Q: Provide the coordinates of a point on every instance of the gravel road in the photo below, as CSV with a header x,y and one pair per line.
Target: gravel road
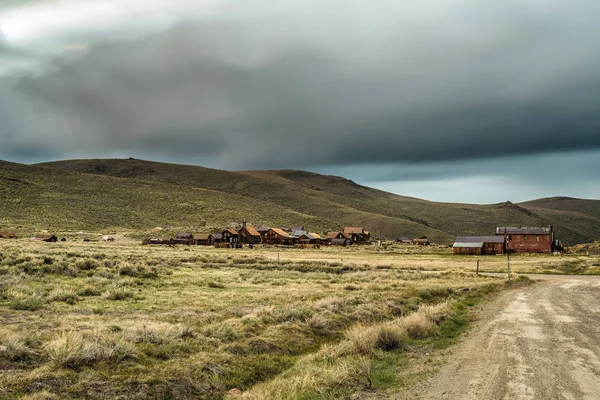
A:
x,y
537,342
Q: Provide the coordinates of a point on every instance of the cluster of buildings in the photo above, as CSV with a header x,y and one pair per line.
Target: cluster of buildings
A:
x,y
250,235
509,240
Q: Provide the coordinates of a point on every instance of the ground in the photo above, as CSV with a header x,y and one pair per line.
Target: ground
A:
x,y
121,320
537,342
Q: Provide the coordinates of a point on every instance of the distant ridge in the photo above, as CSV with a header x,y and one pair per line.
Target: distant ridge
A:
x,y
137,194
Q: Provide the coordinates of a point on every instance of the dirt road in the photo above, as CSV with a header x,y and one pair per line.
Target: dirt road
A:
x,y
538,342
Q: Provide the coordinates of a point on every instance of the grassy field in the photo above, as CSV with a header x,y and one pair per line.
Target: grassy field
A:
x,y
121,320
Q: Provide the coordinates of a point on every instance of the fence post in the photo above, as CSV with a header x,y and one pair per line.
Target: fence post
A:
x,y
477,267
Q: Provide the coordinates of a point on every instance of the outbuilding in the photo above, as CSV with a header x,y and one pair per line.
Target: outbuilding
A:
x,y
492,245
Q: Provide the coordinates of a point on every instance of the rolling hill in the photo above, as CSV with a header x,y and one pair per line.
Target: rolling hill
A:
x,y
138,195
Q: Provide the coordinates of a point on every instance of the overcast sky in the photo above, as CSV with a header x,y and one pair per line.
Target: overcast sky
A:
x,y
448,100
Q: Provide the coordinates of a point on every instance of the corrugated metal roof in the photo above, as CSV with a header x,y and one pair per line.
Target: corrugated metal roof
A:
x,y
477,239
503,230
473,245
315,235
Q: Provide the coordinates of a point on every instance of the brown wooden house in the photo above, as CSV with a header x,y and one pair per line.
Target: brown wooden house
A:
x,y
277,236
358,234
230,236
423,241
335,235
479,245
204,239
527,239
310,238
341,242
249,235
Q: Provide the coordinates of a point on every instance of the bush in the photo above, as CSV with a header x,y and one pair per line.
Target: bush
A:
x,y
118,293
25,302
418,326
390,337
16,349
68,296
215,285
362,338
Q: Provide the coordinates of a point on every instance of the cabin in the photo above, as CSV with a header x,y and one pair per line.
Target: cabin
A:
x,y
249,235
204,239
46,237
217,237
230,236
341,242
403,240
277,236
423,241
309,238
183,238
527,239
358,234
335,235
479,245
468,248
8,235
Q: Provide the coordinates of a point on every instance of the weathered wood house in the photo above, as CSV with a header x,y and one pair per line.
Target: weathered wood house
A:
x,y
230,236
403,240
358,234
423,241
527,239
277,236
310,238
335,235
262,230
479,245
204,239
340,242
249,235
185,238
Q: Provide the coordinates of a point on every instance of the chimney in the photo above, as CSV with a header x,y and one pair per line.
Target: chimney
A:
x,y
243,223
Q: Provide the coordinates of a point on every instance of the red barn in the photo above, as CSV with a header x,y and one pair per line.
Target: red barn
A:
x,y
527,239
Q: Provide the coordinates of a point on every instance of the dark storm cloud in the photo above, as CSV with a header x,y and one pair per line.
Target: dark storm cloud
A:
x,y
336,83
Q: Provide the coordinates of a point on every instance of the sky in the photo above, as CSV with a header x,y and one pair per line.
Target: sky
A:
x,y
447,100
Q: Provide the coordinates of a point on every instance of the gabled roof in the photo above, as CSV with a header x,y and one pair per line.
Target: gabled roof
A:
x,y
472,245
251,230
263,228
352,229
332,235
183,235
502,230
202,236
477,239
315,235
217,236
299,233
231,231
403,239
310,236
281,232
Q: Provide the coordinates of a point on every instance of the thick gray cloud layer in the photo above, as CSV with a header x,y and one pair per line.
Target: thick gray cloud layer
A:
x,y
312,84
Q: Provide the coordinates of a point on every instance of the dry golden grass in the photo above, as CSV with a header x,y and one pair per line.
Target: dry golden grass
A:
x,y
101,320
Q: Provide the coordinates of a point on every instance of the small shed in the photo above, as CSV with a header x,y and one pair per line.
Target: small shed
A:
x,y
492,245
403,240
203,239
474,248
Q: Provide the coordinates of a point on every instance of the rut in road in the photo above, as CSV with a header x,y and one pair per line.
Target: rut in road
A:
x,y
538,342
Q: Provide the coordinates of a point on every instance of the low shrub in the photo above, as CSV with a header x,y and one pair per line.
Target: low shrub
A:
x,y
418,326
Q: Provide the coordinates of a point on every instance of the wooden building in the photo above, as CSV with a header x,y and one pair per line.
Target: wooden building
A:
x,y
310,238
230,236
277,236
403,240
527,239
490,245
468,248
249,235
335,235
358,234
423,241
204,239
341,242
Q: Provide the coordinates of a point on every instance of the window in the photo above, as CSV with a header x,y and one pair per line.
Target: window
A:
x,y
525,237
538,238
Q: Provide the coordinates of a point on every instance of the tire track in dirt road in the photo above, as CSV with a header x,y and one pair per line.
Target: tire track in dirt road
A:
x,y
537,342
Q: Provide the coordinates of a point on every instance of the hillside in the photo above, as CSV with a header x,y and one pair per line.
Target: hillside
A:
x,y
191,194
